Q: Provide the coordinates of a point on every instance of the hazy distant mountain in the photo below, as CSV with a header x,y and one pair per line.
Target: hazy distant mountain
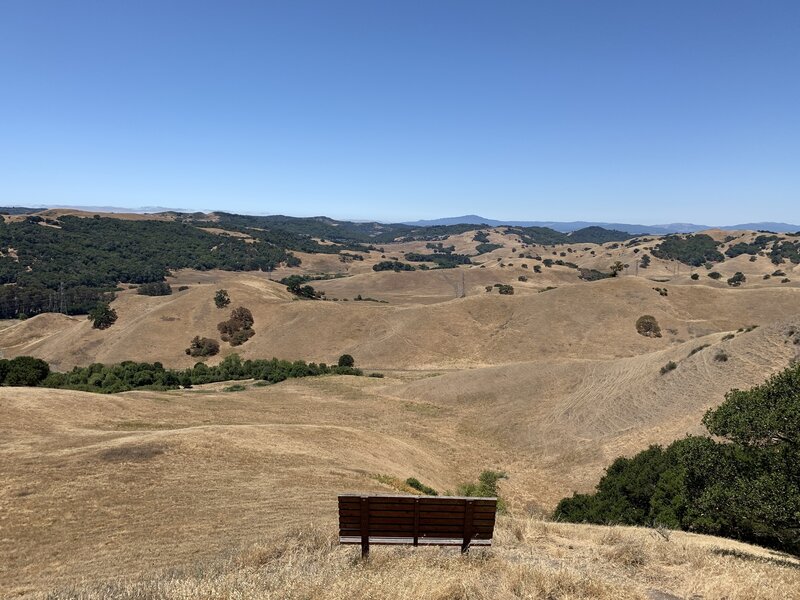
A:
x,y
22,210
766,225
568,226
565,226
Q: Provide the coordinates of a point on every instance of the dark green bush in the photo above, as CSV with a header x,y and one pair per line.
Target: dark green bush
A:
x,y
102,316
392,265
737,279
155,288
24,371
670,366
202,347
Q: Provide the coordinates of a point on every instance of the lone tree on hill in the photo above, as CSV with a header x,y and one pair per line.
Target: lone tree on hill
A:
x,y
346,360
102,316
221,298
616,268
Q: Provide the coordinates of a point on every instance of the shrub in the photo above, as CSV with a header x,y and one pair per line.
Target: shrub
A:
x,y
156,288
221,299
670,366
721,356
102,316
506,290
592,275
419,486
715,275
202,347
737,279
486,487
537,268
346,360
522,278
647,326
237,387
698,349
183,288
695,276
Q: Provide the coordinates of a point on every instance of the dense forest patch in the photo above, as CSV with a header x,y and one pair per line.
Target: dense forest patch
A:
x,y
692,250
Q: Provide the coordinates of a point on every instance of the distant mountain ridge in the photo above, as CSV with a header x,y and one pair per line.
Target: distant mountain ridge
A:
x,y
636,229
560,226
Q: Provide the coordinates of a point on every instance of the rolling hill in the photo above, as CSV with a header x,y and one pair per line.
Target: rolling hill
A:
x,y
549,385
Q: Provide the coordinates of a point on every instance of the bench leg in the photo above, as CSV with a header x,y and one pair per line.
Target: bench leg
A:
x,y
364,547
465,546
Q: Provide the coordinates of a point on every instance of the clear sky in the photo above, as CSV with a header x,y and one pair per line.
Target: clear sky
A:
x,y
636,111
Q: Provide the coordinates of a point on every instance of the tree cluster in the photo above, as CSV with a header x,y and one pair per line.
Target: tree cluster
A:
x,y
155,288
239,328
129,375
692,250
746,486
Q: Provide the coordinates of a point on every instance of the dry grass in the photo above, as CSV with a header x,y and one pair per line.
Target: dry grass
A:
x,y
530,559
546,387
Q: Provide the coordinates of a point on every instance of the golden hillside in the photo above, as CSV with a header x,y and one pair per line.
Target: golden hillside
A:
x,y
547,385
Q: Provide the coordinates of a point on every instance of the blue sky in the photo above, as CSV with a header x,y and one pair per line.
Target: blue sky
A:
x,y
631,111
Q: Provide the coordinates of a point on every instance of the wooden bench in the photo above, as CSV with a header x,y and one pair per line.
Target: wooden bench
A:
x,y
416,520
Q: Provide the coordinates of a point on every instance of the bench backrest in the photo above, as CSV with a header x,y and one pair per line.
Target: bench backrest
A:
x,y
417,520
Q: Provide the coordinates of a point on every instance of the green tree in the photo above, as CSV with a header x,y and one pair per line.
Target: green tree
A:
x,y
26,371
346,360
102,316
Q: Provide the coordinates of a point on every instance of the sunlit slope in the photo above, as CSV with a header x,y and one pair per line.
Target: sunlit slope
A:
x,y
573,416
581,320
103,486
